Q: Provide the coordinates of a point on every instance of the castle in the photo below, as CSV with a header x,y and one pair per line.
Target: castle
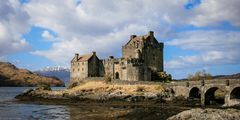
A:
x,y
142,60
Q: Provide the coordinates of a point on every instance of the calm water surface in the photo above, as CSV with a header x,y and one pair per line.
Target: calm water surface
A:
x,y
11,109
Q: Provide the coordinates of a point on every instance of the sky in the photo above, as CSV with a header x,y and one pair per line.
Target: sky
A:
x,y
197,34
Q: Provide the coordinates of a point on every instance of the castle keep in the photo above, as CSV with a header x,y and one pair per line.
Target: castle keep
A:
x,y
142,60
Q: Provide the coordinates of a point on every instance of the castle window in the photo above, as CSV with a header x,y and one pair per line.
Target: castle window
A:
x,y
78,64
73,70
82,63
82,69
153,56
78,69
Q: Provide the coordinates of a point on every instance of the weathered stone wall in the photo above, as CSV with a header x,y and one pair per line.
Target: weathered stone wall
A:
x,y
142,56
127,70
148,49
153,57
79,70
94,67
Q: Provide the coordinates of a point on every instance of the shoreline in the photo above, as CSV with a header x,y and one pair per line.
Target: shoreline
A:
x,y
134,103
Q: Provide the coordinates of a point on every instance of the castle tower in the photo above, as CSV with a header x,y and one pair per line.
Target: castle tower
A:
x,y
147,48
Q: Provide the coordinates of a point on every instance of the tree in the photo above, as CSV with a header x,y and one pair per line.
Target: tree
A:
x,y
200,75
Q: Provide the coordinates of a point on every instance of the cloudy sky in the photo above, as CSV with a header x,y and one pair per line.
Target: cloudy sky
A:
x,y
198,34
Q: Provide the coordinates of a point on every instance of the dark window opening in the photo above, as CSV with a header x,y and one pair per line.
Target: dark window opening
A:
x,y
116,75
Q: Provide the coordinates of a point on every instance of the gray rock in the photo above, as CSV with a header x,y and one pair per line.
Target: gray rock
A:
x,y
207,114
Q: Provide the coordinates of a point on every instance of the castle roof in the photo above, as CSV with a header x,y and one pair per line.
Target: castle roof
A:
x,y
135,38
85,57
82,58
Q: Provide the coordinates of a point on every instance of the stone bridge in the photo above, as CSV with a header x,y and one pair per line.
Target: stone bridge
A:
x,y
221,91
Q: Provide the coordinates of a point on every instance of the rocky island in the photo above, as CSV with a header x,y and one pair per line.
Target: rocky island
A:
x,y
10,75
138,78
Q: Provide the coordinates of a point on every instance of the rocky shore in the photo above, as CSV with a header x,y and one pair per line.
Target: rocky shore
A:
x,y
101,91
207,114
153,99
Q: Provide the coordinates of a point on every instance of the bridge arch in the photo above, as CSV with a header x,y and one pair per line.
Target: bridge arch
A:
x,y
194,93
214,95
235,93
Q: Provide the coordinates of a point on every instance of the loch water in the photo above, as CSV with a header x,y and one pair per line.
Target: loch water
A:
x,y
12,109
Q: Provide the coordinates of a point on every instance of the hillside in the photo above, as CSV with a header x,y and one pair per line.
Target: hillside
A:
x,y
61,73
233,76
10,75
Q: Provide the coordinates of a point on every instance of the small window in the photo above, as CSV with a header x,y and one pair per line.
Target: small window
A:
x,y
82,69
73,70
82,63
78,64
78,69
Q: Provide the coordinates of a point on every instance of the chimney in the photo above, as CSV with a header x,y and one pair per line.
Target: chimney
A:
x,y
111,57
76,55
94,53
151,33
132,36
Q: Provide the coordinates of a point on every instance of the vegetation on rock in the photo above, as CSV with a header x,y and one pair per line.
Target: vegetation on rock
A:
x,y
199,75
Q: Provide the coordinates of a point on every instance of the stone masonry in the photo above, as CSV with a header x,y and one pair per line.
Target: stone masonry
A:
x,y
142,60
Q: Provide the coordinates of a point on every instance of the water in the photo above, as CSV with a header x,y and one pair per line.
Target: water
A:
x,y
11,109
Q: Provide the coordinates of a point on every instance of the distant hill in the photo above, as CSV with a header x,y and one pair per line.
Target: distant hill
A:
x,y
59,72
10,75
233,76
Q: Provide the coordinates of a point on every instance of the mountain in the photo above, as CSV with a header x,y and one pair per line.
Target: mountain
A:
x,y
10,75
62,73
233,76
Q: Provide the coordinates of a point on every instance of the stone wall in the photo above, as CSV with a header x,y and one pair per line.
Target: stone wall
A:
x,y
79,70
153,57
94,67
142,57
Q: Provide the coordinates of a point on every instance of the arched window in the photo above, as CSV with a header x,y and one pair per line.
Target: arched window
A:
x,y
116,75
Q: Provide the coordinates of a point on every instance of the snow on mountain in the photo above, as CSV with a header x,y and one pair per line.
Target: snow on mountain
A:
x,y
60,72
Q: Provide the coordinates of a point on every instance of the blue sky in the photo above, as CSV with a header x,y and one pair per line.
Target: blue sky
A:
x,y
198,34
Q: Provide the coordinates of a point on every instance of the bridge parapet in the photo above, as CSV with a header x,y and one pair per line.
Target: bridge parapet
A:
x,y
183,88
213,81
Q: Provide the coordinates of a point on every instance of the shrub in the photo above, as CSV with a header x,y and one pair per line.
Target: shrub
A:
x,y
73,85
200,75
108,78
140,89
43,87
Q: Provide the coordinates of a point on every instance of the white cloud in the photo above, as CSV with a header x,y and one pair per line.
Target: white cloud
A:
x,y
13,24
211,12
105,45
101,26
105,25
214,48
47,35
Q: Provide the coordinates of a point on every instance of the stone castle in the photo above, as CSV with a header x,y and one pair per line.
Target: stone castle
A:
x,y
142,60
